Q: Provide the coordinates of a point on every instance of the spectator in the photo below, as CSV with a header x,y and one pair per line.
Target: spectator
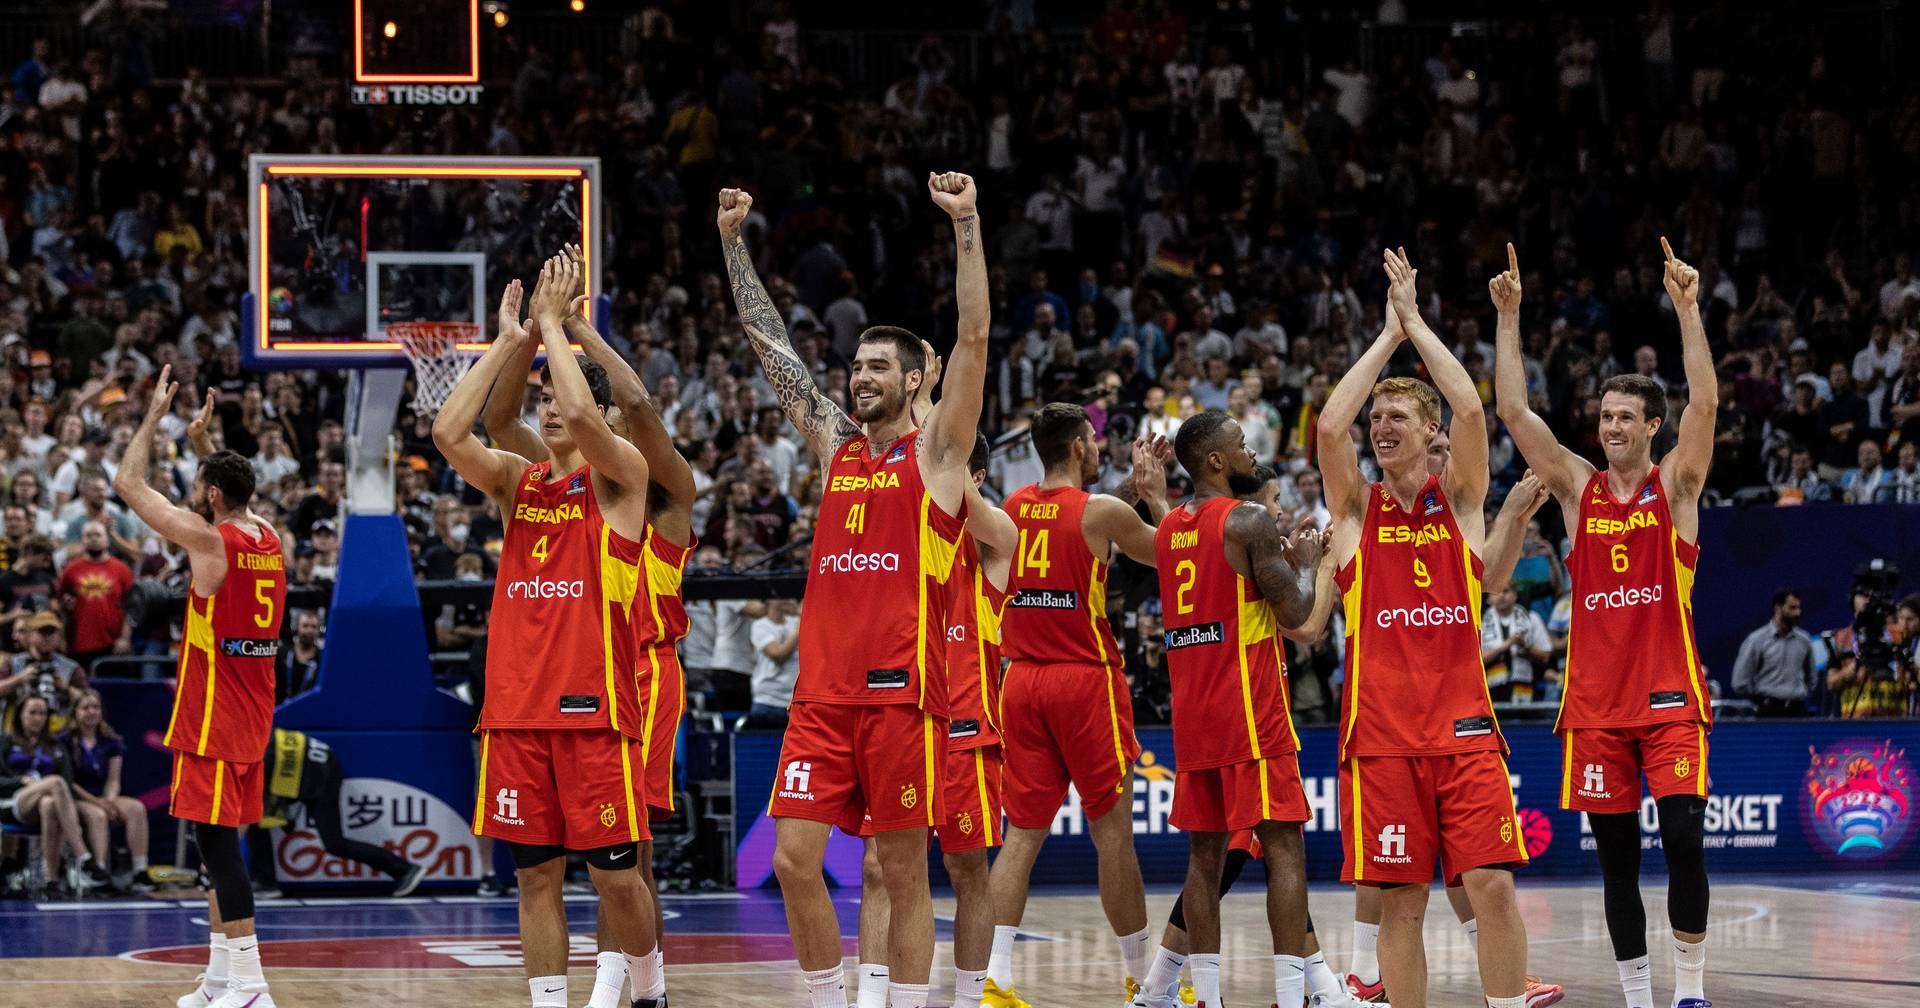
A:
x,y
776,645
1800,484
94,505
92,589
41,670
36,789
1869,482
298,669
1870,681
323,502
326,550
1904,482
1515,647
96,754
1775,663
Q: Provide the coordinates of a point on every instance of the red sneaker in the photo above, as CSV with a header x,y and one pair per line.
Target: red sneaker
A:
x,y
1540,995
1368,992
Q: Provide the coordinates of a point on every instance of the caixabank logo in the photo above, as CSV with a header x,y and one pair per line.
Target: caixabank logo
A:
x,y
1856,802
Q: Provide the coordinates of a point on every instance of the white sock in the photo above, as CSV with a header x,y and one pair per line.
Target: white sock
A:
x,y
648,974
1289,980
609,980
1320,978
968,985
139,863
1472,928
873,985
218,960
1689,970
1517,1001
1163,977
1000,962
1206,978
1133,951
826,988
548,991
1636,981
1366,958
907,995
243,968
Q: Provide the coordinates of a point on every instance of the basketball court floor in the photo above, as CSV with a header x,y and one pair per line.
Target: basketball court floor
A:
x,y
1823,940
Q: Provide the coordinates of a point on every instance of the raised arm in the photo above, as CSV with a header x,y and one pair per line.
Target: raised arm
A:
x,y
1510,530
1115,521
501,412
1325,597
1685,468
198,437
1563,472
1285,567
822,423
1147,483
610,455
205,551
490,470
994,534
1340,477
1468,432
950,430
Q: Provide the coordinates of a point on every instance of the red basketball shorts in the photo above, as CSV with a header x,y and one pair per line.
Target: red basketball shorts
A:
x,y
664,701
579,788
1236,796
1245,842
845,763
1602,766
1398,813
1061,725
973,791
216,792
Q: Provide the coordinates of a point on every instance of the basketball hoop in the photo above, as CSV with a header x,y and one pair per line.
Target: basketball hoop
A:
x,y
438,361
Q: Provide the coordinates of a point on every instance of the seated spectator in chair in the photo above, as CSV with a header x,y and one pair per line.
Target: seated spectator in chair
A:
x,y
96,753
1515,647
300,769
41,670
1903,481
1801,484
36,791
776,644
92,588
1869,481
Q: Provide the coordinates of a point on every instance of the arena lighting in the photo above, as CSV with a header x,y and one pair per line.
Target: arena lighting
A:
x,y
403,171
497,8
390,29
577,5
499,19
360,76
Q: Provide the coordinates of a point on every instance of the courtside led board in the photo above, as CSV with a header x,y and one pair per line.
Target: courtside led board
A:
x,y
342,247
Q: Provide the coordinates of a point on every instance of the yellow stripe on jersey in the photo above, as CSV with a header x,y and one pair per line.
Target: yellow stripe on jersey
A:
x,y
1256,625
1359,834
1700,767
663,581
986,801
626,788
1475,598
1350,604
1097,610
619,579
1566,680
480,788
203,638
932,777
219,785
1266,794
937,555
1519,832
986,630
1566,770
1113,720
1683,595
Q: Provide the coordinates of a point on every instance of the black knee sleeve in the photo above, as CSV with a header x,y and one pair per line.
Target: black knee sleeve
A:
x,y
1683,821
611,858
1616,838
527,856
226,870
1230,870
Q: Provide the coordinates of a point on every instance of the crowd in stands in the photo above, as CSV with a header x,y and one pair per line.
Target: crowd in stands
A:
x,y
1178,219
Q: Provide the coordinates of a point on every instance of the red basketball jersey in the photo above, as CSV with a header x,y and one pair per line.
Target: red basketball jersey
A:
x,y
1415,682
1631,657
223,704
560,641
1057,606
660,616
873,620
973,652
1224,656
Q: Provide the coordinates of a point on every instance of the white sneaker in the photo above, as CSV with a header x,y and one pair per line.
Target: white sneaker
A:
x,y
1344,999
204,994
252,996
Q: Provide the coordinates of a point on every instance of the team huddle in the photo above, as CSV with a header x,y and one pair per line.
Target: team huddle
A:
x,y
984,679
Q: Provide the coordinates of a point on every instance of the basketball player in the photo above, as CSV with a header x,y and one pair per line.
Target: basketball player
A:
x,y
1634,703
223,706
1429,780
1066,713
866,733
1229,580
659,614
561,722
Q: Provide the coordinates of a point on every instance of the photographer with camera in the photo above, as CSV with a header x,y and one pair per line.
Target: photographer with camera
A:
x,y
1874,671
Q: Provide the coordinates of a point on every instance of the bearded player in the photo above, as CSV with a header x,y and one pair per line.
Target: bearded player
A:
x,y
223,705
560,765
659,616
1228,581
1633,704
1429,780
1066,711
866,735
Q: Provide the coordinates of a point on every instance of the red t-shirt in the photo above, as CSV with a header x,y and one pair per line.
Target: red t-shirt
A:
x,y
96,588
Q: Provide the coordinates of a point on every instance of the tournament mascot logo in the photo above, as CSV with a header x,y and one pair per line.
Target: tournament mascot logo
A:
x,y
1856,798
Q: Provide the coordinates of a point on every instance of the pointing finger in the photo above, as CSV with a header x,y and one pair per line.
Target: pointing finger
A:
x,y
1666,248
1513,261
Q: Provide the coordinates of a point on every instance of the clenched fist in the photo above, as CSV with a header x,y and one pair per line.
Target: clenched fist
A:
x,y
952,192
734,204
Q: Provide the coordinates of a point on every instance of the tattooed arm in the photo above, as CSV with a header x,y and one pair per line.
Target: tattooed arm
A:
x,y
822,423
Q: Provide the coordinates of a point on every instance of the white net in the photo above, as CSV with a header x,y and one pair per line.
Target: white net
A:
x,y
438,361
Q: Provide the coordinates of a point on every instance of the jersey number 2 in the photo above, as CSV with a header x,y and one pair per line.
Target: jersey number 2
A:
x,y
263,592
1033,555
1186,572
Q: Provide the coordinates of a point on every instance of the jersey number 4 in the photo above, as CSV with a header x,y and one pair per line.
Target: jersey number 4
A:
x,y
1033,554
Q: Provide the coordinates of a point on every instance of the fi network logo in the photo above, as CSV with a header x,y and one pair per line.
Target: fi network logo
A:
x,y
1393,843
506,806
797,781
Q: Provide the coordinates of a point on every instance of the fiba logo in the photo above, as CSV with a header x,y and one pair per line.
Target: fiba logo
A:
x,y
1393,845
799,778
506,803
1857,799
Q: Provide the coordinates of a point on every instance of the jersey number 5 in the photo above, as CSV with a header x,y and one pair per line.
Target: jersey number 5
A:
x,y
1186,572
1618,554
1033,555
263,593
1421,579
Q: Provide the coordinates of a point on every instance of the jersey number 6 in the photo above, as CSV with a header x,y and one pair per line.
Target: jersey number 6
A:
x,y
1618,554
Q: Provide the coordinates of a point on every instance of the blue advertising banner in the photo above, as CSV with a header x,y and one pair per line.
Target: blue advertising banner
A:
x,y
1785,796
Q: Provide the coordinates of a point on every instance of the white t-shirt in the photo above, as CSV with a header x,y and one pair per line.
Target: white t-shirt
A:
x,y
1496,629
773,681
1014,465
1100,183
732,645
1052,214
